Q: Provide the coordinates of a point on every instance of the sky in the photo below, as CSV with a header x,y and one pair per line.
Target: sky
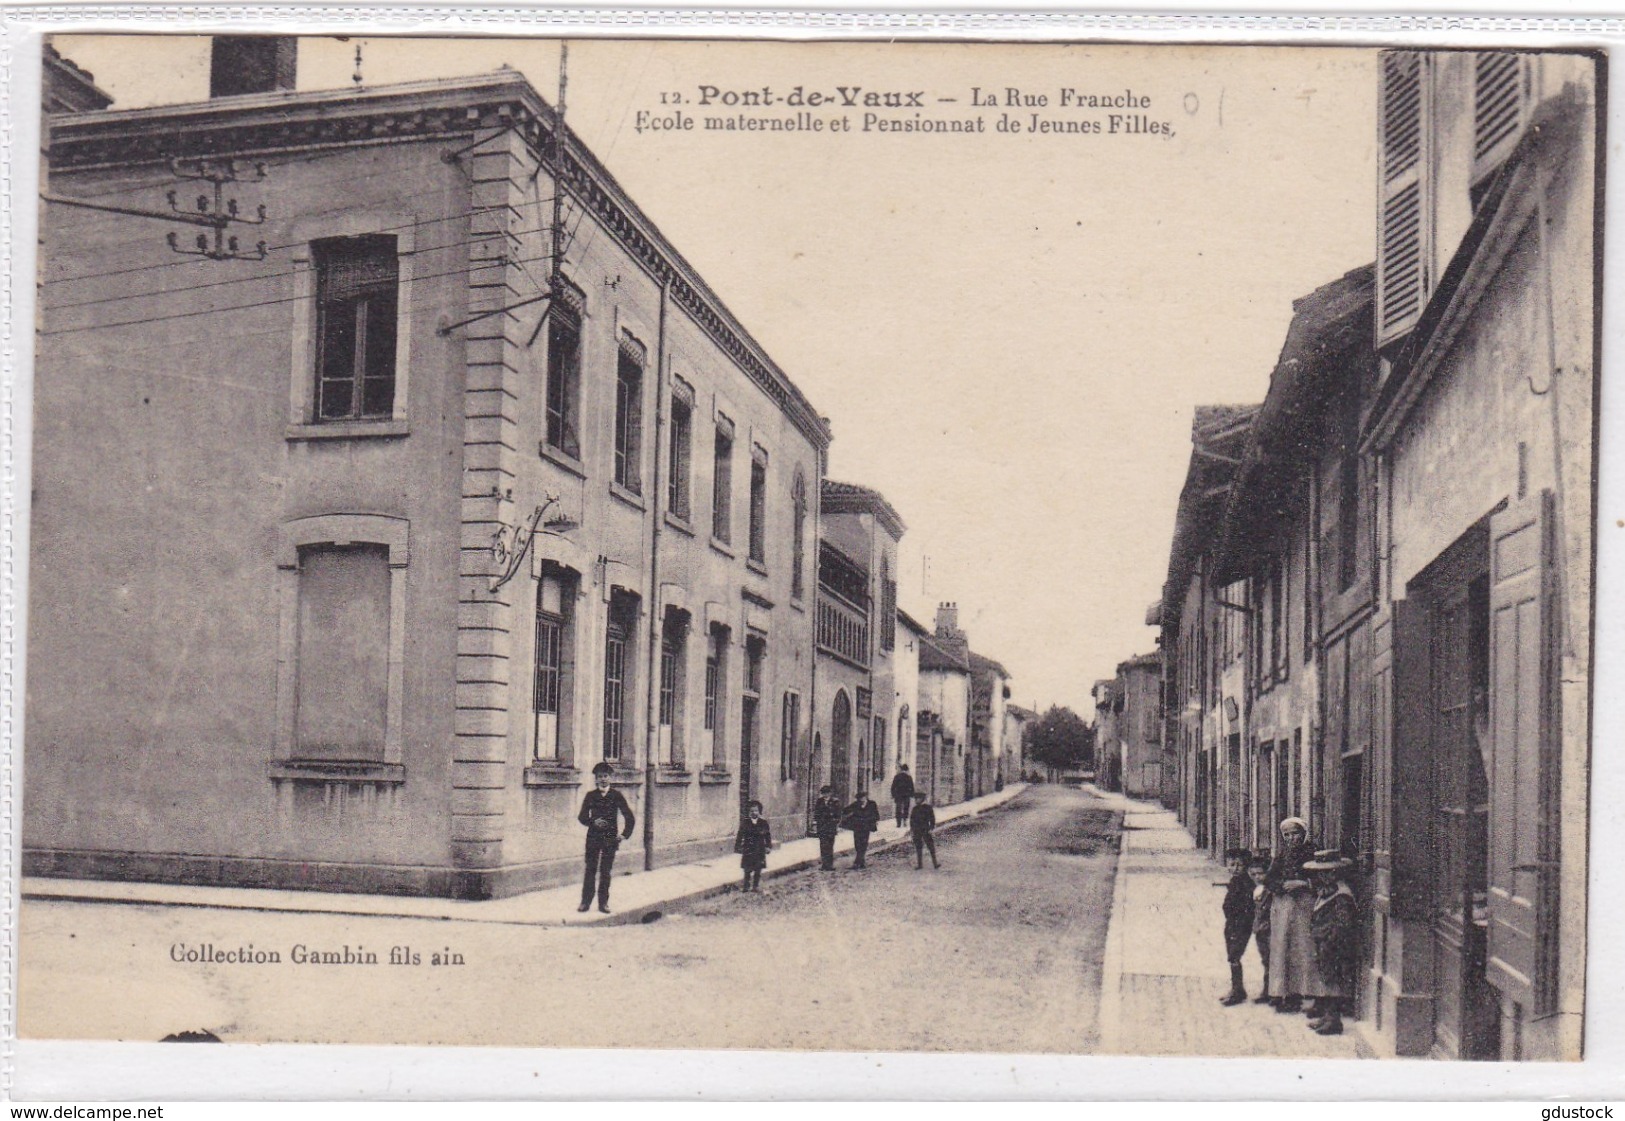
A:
x,y
1007,330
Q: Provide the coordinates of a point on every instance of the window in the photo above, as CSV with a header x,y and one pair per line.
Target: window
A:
x,y
343,652
789,730
758,506
722,483
888,606
564,383
798,546
357,282
749,704
673,673
682,438
618,676
629,420
716,664
551,690
880,749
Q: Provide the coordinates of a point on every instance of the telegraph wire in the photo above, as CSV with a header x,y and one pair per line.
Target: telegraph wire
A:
x,y
493,263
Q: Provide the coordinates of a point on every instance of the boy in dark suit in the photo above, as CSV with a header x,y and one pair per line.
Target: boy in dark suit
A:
x,y
902,792
1238,921
826,824
600,813
753,843
921,821
863,818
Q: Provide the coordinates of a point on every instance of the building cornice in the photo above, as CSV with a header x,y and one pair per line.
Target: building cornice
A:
x,y
268,124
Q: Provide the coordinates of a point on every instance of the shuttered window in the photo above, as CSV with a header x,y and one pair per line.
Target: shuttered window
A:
x,y
1402,280
1500,103
1523,843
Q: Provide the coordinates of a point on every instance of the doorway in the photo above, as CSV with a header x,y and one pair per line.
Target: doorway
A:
x,y
1466,1009
840,748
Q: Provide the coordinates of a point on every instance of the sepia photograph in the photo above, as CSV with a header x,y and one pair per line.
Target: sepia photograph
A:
x,y
1047,548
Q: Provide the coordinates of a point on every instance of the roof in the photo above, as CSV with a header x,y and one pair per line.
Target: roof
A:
x,y
69,87
934,657
1329,342
1020,713
1140,661
286,121
1218,434
850,498
911,622
980,664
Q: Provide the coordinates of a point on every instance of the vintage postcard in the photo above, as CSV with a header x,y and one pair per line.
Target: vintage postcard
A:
x,y
1069,548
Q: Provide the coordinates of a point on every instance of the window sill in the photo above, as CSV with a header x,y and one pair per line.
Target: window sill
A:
x,y
715,776
349,430
673,776
626,776
798,604
552,774
721,546
626,495
323,770
757,567
561,459
681,525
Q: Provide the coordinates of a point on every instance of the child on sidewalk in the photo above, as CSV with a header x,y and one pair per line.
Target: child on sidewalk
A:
x,y
1332,927
1238,921
752,844
1257,868
921,821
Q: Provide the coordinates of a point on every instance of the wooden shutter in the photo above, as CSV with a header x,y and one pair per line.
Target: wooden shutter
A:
x,y
1500,103
1412,790
1402,280
1523,782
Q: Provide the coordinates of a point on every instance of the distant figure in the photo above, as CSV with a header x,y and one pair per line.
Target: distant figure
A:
x,y
826,823
921,823
754,840
902,792
1238,921
600,813
863,818
1257,868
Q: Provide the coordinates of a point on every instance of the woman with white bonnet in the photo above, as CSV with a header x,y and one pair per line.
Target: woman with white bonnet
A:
x,y
1293,975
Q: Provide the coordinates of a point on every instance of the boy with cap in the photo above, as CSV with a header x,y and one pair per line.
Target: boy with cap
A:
x,y
601,811
1238,921
921,821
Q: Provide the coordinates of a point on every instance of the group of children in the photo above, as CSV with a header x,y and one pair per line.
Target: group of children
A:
x,y
755,838
1248,901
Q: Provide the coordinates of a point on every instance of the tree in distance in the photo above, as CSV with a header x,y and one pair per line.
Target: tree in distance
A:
x,y
1060,740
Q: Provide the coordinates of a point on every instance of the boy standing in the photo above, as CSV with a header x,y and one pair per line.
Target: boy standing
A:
x,y
863,818
826,823
752,844
921,821
1257,868
600,813
1238,921
1332,927
902,792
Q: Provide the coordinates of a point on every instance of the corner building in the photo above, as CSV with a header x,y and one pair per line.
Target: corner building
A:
x,y
351,562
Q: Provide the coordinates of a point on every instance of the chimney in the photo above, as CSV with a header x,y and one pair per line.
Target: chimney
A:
x,y
947,620
240,64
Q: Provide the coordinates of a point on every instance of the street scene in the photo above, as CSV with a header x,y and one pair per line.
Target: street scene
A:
x,y
1035,548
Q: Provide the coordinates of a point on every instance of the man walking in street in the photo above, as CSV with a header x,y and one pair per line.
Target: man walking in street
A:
x,y
826,823
921,822
601,811
863,818
902,792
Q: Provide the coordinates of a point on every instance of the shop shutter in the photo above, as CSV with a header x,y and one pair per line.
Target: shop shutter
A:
x,y
1500,102
1523,825
1412,789
1402,279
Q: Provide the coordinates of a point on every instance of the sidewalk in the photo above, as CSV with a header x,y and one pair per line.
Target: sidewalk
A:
x,y
637,894
1165,970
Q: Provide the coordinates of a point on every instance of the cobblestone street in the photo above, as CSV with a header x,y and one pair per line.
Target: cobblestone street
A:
x,y
1001,950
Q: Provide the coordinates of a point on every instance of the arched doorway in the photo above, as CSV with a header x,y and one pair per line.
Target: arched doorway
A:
x,y
840,747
